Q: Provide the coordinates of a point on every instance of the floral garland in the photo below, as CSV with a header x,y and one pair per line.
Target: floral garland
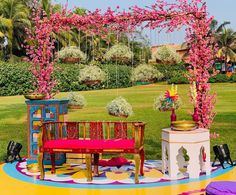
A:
x,y
161,15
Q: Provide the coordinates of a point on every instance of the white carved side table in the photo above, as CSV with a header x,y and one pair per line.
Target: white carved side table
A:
x,y
197,145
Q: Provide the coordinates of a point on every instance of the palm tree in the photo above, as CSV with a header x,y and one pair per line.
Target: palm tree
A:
x,y
17,14
226,41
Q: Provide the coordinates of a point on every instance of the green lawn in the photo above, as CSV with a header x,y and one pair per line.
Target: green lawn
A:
x,y
13,114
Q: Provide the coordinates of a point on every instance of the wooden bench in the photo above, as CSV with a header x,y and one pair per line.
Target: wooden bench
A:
x,y
92,138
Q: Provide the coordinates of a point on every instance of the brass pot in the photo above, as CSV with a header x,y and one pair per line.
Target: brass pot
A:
x,y
183,125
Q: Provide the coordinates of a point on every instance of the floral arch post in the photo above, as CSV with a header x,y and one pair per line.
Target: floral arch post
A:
x,y
162,15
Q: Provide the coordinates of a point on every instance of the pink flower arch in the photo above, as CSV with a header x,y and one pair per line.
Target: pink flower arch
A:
x,y
169,16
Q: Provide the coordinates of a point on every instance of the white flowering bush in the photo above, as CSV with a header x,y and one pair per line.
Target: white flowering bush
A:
x,y
92,73
119,52
119,107
161,103
145,72
76,99
71,52
166,54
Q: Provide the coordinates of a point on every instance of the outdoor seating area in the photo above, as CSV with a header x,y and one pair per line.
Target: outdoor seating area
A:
x,y
95,101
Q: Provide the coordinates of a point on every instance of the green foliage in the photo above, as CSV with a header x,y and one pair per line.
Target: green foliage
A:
x,y
117,76
76,99
145,72
71,52
16,79
178,77
119,107
166,54
220,78
169,71
233,77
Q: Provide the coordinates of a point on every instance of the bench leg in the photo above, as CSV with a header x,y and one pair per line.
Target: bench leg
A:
x,y
53,170
137,165
88,159
41,166
96,161
142,156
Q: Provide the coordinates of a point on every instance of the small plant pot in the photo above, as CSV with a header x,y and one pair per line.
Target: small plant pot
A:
x,y
75,106
120,59
92,82
120,115
71,60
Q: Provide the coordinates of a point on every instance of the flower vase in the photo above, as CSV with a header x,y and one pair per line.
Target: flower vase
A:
x,y
173,115
195,115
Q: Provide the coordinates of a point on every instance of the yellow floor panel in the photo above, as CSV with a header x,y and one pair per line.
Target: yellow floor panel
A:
x,y
12,186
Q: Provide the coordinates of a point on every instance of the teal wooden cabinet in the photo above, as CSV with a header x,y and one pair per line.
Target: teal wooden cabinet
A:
x,y
39,111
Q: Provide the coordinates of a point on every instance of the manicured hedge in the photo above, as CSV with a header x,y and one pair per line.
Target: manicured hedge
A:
x,y
16,79
169,71
221,78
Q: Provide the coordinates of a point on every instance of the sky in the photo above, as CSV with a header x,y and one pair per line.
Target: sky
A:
x,y
222,10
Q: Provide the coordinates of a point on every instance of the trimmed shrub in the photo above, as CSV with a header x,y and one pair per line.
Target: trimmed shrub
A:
x,y
170,71
220,78
146,72
178,77
16,79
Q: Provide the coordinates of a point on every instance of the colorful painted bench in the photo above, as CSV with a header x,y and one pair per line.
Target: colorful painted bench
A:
x,y
92,138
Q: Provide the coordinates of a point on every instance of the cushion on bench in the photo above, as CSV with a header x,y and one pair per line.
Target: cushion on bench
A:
x,y
221,188
90,144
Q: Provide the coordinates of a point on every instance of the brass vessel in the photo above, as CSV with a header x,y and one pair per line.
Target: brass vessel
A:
x,y
35,96
183,125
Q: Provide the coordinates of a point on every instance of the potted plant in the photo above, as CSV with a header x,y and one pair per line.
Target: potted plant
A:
x,y
144,74
76,101
119,53
119,107
166,55
92,75
168,101
71,54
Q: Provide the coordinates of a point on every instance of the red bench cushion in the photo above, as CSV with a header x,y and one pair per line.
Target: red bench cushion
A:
x,y
89,144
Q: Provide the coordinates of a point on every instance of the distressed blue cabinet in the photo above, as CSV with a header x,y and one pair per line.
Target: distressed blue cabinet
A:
x,y
39,111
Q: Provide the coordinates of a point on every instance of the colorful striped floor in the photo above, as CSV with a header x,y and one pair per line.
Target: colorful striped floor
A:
x,y
15,179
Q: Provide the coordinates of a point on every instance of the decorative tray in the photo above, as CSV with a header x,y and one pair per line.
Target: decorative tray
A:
x,y
183,125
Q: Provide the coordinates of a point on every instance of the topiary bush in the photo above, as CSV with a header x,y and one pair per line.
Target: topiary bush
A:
x,y
145,73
